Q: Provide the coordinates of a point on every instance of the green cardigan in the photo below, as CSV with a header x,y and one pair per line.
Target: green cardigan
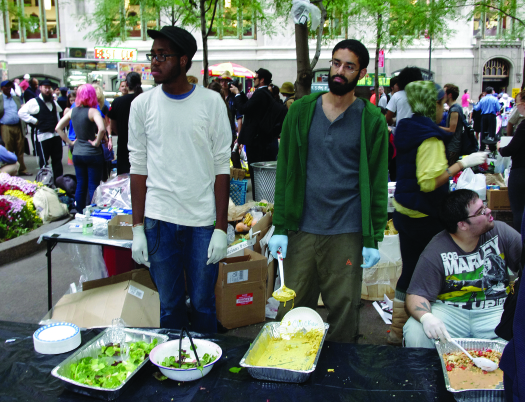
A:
x,y
291,170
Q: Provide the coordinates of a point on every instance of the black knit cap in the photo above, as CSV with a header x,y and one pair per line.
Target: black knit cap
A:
x,y
180,37
358,48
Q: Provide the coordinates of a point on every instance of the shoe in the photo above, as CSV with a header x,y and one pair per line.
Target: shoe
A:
x,y
399,318
25,174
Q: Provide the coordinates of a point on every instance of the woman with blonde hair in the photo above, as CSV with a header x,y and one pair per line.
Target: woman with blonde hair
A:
x,y
88,157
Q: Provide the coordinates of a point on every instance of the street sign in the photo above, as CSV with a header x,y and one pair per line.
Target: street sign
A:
x,y
381,58
115,54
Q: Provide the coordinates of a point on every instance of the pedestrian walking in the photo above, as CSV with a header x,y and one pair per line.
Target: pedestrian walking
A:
x,y
331,193
489,107
43,112
12,129
454,124
398,105
179,149
88,157
259,147
119,119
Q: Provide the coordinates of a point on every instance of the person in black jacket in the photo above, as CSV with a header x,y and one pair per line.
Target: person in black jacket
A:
x,y
258,148
516,150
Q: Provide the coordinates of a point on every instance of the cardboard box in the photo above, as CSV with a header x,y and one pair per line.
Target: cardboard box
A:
x,y
498,199
240,291
116,231
130,296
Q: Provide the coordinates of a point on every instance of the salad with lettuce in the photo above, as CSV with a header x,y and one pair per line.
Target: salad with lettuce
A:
x,y
108,370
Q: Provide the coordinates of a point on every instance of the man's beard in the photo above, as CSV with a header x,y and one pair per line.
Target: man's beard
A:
x,y
342,89
47,98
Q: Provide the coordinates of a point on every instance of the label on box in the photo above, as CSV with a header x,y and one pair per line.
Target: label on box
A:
x,y
240,246
244,299
237,276
132,290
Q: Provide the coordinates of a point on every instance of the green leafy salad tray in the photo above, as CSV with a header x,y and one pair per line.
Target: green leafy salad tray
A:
x,y
103,366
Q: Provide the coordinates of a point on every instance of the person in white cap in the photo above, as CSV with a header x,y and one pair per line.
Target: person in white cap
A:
x,y
25,83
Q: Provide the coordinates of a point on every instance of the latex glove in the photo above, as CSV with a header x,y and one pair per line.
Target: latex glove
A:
x,y
475,159
370,257
139,248
217,247
278,241
434,328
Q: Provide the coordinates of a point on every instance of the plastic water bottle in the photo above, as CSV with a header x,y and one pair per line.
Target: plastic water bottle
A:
x,y
87,227
113,173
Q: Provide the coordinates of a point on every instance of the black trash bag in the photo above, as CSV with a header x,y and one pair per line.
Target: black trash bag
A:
x,y
68,183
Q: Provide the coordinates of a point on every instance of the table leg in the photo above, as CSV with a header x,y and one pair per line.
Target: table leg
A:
x,y
50,246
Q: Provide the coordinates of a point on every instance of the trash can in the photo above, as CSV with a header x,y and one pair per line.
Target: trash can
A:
x,y
264,174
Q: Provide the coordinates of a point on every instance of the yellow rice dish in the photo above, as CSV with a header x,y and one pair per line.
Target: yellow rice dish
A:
x,y
297,353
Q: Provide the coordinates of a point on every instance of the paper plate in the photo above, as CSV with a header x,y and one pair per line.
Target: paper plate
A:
x,y
60,337
302,317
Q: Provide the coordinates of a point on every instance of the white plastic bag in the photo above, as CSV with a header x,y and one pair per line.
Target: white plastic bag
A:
x,y
300,11
114,193
474,182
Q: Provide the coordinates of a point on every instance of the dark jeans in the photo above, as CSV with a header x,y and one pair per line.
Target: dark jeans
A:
x,y
414,236
517,196
88,169
488,129
52,149
175,250
260,153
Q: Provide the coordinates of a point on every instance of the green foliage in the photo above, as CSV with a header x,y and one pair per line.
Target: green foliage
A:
x,y
104,371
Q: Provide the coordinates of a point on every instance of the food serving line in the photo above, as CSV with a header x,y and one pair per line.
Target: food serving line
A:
x,y
349,372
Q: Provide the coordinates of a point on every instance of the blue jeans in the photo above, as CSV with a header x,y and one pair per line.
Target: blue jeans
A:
x,y
459,323
88,169
175,250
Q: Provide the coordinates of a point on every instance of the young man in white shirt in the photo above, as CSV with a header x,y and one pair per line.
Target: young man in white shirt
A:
x,y
179,144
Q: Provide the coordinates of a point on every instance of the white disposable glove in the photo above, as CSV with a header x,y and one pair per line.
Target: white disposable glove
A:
x,y
370,257
217,247
474,159
139,248
434,328
276,242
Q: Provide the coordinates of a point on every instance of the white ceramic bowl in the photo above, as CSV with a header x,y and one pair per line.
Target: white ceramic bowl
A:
x,y
171,348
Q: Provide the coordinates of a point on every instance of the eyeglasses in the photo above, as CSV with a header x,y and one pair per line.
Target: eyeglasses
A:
x,y
480,212
159,57
348,68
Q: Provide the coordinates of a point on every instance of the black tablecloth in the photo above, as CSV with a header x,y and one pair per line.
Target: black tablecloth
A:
x,y
361,373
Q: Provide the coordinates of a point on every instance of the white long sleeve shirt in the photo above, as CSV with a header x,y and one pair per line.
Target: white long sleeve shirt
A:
x,y
32,107
181,145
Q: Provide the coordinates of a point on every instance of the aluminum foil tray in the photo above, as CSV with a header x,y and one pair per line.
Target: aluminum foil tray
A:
x,y
467,395
268,331
91,349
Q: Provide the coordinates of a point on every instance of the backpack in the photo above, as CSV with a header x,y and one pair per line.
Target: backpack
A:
x,y
45,174
272,122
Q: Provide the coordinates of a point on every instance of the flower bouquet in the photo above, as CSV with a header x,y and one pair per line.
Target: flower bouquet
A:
x,y
17,212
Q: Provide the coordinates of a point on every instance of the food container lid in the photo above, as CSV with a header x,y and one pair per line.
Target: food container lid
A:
x,y
57,338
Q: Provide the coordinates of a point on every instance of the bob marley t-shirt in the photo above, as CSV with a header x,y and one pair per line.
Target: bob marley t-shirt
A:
x,y
475,280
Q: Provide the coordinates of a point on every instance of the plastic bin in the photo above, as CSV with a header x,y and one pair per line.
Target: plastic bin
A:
x,y
238,189
264,174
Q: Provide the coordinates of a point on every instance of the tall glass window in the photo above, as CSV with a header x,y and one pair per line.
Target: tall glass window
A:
x,y
233,19
32,20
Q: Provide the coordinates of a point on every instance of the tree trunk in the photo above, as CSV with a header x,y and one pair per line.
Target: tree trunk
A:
x,y
376,61
303,83
204,43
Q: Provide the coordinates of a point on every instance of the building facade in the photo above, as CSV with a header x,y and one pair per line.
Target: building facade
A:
x,y
473,58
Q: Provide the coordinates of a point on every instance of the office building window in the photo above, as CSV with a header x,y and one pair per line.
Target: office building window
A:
x,y
32,20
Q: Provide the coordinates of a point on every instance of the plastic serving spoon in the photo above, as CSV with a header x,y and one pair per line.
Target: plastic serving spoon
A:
x,y
283,294
482,362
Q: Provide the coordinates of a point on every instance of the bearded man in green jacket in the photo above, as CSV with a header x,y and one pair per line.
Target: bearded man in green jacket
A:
x,y
331,193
